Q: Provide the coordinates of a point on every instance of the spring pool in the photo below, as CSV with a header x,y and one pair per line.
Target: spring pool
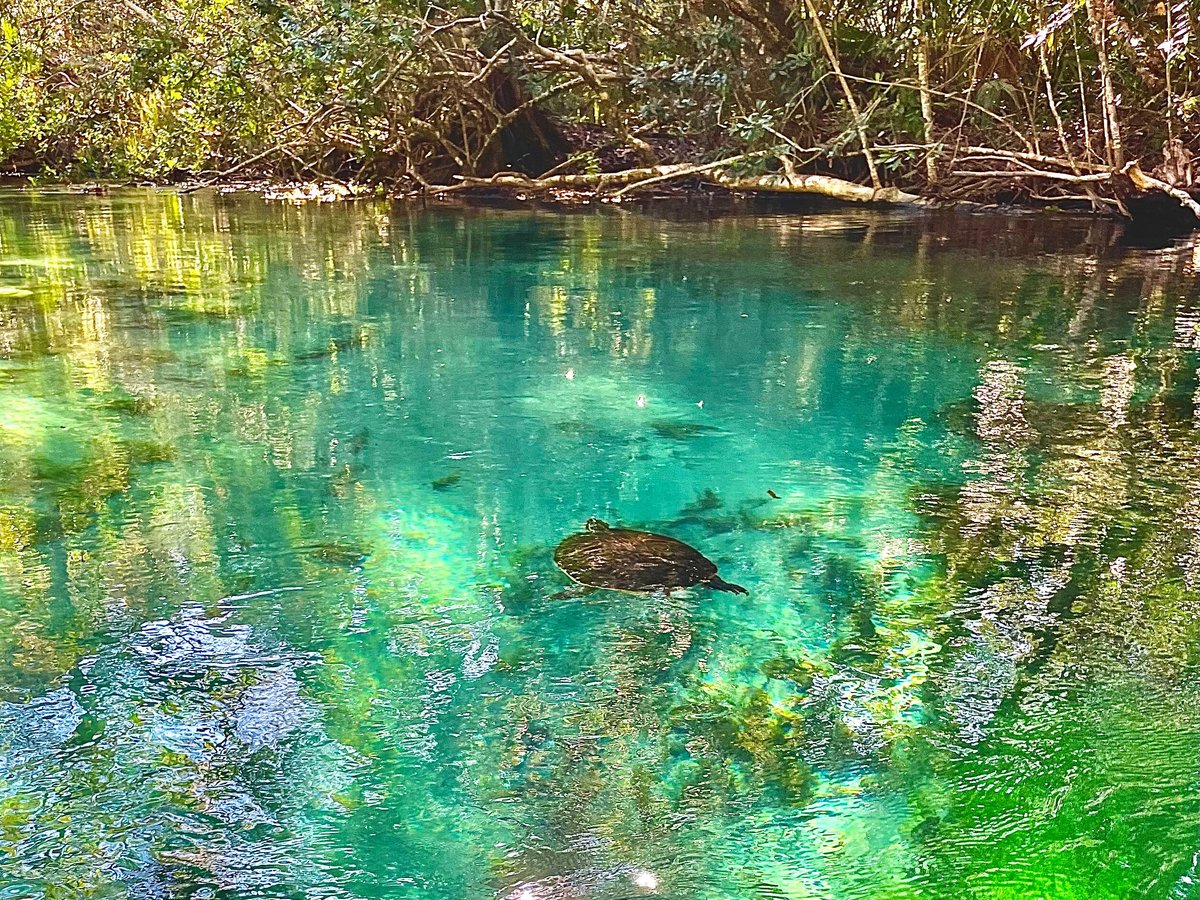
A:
x,y
279,489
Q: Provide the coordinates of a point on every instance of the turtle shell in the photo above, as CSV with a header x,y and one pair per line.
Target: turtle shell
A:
x,y
624,559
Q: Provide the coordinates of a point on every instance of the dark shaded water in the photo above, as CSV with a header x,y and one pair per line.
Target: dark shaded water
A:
x,y
280,488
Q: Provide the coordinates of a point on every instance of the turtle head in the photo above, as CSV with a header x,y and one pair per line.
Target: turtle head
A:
x,y
594,524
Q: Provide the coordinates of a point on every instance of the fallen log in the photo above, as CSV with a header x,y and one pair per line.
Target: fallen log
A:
x,y
616,185
787,182
1144,182
820,185
1132,172
599,181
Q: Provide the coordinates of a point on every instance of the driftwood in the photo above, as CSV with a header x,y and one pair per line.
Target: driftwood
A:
x,y
786,182
819,185
1145,182
598,181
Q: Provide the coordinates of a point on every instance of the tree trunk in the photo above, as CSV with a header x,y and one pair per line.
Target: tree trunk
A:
x,y
926,98
859,126
1116,153
532,142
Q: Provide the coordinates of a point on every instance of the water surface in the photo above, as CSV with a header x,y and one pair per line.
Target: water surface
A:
x,y
279,489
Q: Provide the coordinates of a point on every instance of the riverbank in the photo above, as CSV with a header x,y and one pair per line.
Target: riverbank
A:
x,y
1153,214
1093,107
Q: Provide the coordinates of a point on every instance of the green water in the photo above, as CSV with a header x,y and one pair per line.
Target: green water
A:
x,y
279,489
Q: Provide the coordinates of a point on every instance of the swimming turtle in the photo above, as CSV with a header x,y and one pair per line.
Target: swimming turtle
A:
x,y
623,559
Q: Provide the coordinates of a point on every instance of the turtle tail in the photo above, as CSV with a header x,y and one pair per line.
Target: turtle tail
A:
x,y
717,583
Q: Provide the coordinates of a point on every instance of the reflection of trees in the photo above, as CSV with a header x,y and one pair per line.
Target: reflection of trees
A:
x,y
1067,557
206,399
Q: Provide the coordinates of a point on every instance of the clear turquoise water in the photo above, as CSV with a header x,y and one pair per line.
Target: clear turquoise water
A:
x,y
280,488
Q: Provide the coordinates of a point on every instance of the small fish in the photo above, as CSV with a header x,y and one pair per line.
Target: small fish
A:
x,y
340,554
446,481
772,494
130,404
146,453
334,347
706,501
680,430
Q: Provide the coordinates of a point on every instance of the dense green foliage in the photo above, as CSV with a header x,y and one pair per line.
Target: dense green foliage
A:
x,y
393,89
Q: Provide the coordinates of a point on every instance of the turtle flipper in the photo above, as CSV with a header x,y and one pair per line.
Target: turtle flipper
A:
x,y
717,583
